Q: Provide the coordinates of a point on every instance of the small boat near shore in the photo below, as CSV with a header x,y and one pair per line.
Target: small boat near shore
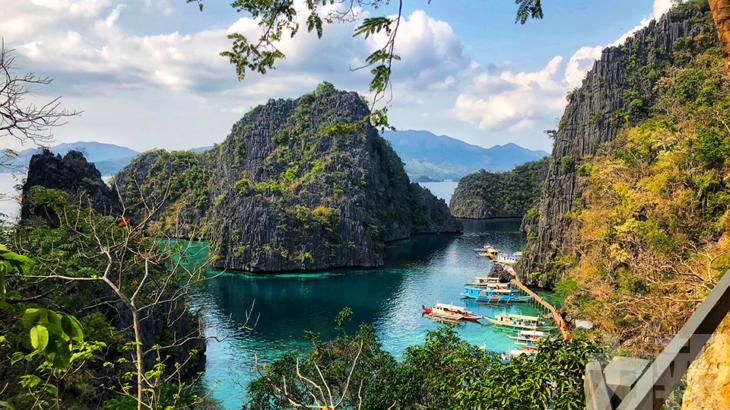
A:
x,y
451,312
519,322
528,337
486,296
489,283
509,258
496,299
487,251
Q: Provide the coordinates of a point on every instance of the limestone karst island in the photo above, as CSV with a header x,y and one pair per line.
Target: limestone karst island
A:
x,y
351,205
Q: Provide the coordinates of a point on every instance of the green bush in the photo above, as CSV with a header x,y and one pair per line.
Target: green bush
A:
x,y
566,164
711,148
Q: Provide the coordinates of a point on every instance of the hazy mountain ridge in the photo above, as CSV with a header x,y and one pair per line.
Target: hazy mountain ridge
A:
x,y
108,158
442,157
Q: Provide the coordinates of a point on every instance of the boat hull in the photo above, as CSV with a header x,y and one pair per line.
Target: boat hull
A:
x,y
518,326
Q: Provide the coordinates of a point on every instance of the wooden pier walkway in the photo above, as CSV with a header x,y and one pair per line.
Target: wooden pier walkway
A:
x,y
558,319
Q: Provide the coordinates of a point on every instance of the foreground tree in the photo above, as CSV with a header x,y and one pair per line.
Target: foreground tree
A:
x,y
101,269
278,18
354,372
27,123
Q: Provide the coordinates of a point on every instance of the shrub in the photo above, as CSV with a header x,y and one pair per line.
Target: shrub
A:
x,y
566,164
711,148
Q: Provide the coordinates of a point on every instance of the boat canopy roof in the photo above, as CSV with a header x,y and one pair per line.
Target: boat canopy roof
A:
x,y
532,333
523,317
450,307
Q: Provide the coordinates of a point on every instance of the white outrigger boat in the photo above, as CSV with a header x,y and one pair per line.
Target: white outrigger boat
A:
x,y
492,284
509,258
519,322
451,312
528,337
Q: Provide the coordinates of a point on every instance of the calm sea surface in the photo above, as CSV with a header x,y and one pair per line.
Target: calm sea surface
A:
x,y
419,271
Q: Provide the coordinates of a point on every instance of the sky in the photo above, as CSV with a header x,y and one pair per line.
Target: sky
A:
x,y
147,73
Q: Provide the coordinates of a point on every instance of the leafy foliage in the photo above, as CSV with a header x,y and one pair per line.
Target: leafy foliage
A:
x,y
650,237
442,373
511,193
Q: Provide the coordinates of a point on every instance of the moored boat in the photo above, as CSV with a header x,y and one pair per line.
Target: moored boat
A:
x,y
496,299
508,258
491,283
518,322
528,336
473,293
442,310
487,251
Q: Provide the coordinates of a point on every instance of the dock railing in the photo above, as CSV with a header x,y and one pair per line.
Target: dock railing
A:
x,y
558,319
635,384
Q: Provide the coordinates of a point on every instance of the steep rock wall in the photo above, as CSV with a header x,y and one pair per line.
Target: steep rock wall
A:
x,y
595,114
281,193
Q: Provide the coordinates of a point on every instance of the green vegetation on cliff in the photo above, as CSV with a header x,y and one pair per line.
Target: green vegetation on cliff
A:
x,y
648,237
285,192
509,194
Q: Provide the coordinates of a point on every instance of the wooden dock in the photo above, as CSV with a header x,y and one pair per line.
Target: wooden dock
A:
x,y
558,319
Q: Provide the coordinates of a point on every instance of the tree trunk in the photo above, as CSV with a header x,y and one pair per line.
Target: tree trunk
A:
x,y
140,357
721,14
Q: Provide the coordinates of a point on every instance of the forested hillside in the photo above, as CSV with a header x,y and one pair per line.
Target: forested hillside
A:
x,y
509,194
633,230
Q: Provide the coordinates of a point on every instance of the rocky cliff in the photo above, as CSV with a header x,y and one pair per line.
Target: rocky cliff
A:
x,y
82,184
283,193
509,194
72,174
616,91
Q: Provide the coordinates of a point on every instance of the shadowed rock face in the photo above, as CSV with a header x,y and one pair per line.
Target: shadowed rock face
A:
x,y
593,118
73,174
281,194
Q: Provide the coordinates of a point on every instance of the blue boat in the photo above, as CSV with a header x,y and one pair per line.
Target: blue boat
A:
x,y
493,296
501,300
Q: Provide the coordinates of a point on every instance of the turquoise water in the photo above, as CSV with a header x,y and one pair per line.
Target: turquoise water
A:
x,y
418,271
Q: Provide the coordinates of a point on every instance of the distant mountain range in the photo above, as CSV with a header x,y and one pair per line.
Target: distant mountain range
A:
x,y
441,157
426,156
109,158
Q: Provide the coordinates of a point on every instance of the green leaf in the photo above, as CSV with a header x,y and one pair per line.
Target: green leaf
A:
x,y
72,328
39,337
59,353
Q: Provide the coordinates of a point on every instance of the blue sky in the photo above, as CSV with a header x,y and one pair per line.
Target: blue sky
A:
x,y
146,72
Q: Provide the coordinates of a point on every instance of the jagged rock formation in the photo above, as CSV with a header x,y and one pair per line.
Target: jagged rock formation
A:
x,y
595,114
81,180
72,174
509,194
281,193
498,271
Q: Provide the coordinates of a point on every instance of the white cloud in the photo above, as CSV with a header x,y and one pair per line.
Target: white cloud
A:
x,y
580,63
73,8
660,7
525,98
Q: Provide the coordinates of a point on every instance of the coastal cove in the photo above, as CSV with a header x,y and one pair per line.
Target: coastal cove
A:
x,y
418,271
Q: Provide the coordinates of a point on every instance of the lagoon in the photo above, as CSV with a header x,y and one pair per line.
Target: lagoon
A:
x,y
421,270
